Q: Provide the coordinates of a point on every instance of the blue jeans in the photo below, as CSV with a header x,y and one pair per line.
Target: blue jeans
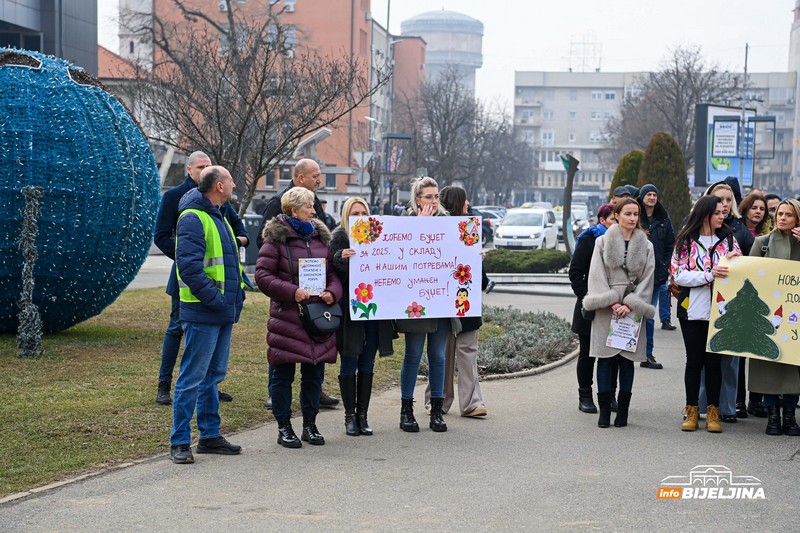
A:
x,y
281,389
437,343
650,323
607,373
729,367
663,303
365,362
203,366
172,341
789,400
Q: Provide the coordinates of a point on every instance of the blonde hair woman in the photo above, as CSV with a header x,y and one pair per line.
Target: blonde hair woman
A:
x,y
767,377
356,340
424,202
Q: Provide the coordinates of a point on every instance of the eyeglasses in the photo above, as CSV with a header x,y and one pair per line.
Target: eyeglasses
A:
x,y
430,197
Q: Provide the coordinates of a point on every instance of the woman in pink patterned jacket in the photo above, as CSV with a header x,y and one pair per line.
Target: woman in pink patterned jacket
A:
x,y
699,246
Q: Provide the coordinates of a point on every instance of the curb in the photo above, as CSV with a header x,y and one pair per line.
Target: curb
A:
x,y
534,371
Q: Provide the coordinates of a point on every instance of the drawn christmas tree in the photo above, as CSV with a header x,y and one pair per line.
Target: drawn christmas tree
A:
x,y
745,327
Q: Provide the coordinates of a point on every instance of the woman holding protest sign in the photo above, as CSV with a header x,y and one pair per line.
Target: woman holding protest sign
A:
x,y
699,246
425,203
620,284
356,340
767,377
288,237
461,353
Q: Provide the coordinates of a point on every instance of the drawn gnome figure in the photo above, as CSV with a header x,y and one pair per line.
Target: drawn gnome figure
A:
x,y
777,317
721,303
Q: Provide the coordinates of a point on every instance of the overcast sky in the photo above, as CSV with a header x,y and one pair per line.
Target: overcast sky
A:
x,y
633,35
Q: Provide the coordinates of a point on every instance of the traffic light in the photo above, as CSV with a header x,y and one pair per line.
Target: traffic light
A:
x,y
570,163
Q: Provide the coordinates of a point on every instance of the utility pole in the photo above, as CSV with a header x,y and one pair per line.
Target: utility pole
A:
x,y
743,136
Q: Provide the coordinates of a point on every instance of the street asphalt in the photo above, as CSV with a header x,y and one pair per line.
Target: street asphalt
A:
x,y
534,464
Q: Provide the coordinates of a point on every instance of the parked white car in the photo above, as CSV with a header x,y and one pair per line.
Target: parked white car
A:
x,y
527,228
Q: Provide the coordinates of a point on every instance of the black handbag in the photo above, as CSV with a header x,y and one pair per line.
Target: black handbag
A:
x,y
587,315
319,319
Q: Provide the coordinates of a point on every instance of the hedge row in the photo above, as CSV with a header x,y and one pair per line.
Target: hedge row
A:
x,y
530,262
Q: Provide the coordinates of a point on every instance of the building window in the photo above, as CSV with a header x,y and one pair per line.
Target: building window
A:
x,y
573,115
571,137
330,181
594,137
130,47
362,42
597,95
547,115
611,95
596,115
548,138
573,94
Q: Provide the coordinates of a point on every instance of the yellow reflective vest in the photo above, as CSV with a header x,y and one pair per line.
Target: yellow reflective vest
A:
x,y
213,261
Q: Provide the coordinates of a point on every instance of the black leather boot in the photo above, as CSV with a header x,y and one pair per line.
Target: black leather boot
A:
x,y
407,420
347,385
162,398
364,390
773,421
790,426
585,402
310,432
624,403
286,435
604,404
437,422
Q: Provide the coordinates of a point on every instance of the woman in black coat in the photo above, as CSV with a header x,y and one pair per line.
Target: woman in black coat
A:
x,y
356,340
578,276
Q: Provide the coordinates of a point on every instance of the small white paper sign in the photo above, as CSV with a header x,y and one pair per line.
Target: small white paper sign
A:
x,y
623,333
312,275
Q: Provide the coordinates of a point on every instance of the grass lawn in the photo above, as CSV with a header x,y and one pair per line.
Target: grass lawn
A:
x,y
90,401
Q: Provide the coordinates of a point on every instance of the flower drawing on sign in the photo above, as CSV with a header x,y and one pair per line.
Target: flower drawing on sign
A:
x,y
415,310
366,231
469,231
363,295
463,273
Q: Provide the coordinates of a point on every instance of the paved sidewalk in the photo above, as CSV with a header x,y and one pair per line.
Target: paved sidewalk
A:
x,y
534,464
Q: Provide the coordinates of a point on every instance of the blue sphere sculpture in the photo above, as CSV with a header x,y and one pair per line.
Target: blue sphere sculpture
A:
x,y
63,132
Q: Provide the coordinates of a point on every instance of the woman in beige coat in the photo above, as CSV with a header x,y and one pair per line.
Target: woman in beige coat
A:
x,y
767,377
620,283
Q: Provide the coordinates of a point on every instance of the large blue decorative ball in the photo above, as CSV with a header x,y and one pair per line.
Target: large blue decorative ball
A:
x,y
61,131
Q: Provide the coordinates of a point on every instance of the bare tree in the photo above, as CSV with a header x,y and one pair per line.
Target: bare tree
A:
x,y
666,102
243,89
459,139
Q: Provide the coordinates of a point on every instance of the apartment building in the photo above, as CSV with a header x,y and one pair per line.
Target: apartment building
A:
x,y
64,29
561,112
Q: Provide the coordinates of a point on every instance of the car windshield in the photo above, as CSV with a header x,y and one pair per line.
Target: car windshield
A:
x,y
523,219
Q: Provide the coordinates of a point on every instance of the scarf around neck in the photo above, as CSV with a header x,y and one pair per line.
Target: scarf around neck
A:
x,y
304,229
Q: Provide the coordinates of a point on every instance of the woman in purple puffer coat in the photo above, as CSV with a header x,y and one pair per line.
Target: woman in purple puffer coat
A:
x,y
297,232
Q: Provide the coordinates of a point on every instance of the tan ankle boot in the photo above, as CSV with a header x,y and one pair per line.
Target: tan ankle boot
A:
x,y
692,416
712,419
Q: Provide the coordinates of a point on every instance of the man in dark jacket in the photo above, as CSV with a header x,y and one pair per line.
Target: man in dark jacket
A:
x,y
656,222
306,174
164,239
211,289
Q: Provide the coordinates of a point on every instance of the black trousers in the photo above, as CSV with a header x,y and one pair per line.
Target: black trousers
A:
x,y
585,366
695,333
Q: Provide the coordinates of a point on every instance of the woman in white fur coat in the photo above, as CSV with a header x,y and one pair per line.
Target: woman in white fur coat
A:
x,y
620,283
